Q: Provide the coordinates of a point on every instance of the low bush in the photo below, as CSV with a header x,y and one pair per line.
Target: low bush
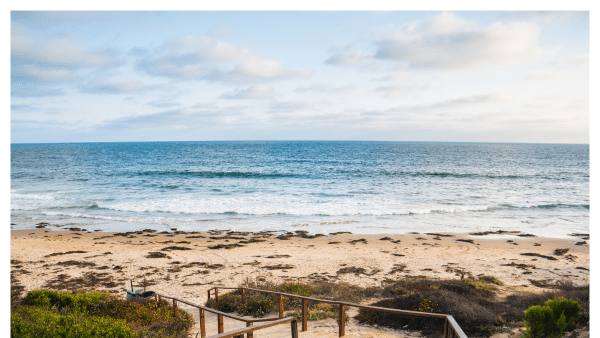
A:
x,y
296,289
145,313
44,313
229,302
61,300
29,321
553,319
470,315
258,307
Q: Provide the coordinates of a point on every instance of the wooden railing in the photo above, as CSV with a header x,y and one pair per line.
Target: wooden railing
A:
x,y
238,333
451,327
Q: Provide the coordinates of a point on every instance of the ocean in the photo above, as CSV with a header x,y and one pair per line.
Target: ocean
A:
x,y
314,186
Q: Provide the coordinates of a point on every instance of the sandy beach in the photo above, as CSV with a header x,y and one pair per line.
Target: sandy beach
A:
x,y
187,264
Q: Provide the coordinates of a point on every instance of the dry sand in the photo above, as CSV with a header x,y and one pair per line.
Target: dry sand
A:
x,y
42,258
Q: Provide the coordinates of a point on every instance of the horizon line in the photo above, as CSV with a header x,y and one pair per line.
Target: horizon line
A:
x,y
383,141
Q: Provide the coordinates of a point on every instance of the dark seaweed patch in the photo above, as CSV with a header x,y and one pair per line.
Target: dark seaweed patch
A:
x,y
64,253
171,248
157,255
538,255
279,267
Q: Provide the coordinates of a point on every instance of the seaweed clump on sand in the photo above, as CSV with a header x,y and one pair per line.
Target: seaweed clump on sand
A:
x,y
225,246
538,255
154,254
171,248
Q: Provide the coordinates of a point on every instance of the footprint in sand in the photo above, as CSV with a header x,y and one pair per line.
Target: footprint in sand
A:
x,y
463,247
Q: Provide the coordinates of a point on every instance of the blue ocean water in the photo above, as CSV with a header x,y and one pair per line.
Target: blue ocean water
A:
x,y
320,187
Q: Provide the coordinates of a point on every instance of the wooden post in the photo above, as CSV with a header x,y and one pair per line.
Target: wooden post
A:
x,y
202,325
280,305
304,314
445,328
216,294
249,334
342,318
243,292
208,292
294,329
156,298
175,307
220,323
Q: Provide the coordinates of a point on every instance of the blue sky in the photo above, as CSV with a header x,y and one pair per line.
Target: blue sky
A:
x,y
466,76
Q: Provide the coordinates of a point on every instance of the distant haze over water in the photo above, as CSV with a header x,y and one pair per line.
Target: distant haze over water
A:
x,y
320,187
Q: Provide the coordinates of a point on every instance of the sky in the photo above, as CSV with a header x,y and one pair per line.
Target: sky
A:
x,y
452,76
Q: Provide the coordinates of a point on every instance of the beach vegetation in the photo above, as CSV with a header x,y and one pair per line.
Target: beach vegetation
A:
x,y
318,311
259,306
33,321
229,302
296,289
47,313
475,307
553,319
474,302
78,301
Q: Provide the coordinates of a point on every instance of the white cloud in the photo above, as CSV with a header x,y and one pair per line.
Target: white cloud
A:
x,y
36,74
257,92
121,87
205,49
473,99
398,77
395,91
163,104
343,89
458,103
23,89
314,87
582,61
546,75
291,105
56,53
352,58
447,41
201,58
402,84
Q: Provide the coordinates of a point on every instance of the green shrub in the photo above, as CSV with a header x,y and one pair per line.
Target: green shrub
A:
x,y
491,279
61,300
296,289
426,306
145,313
554,318
54,314
227,303
42,322
258,307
